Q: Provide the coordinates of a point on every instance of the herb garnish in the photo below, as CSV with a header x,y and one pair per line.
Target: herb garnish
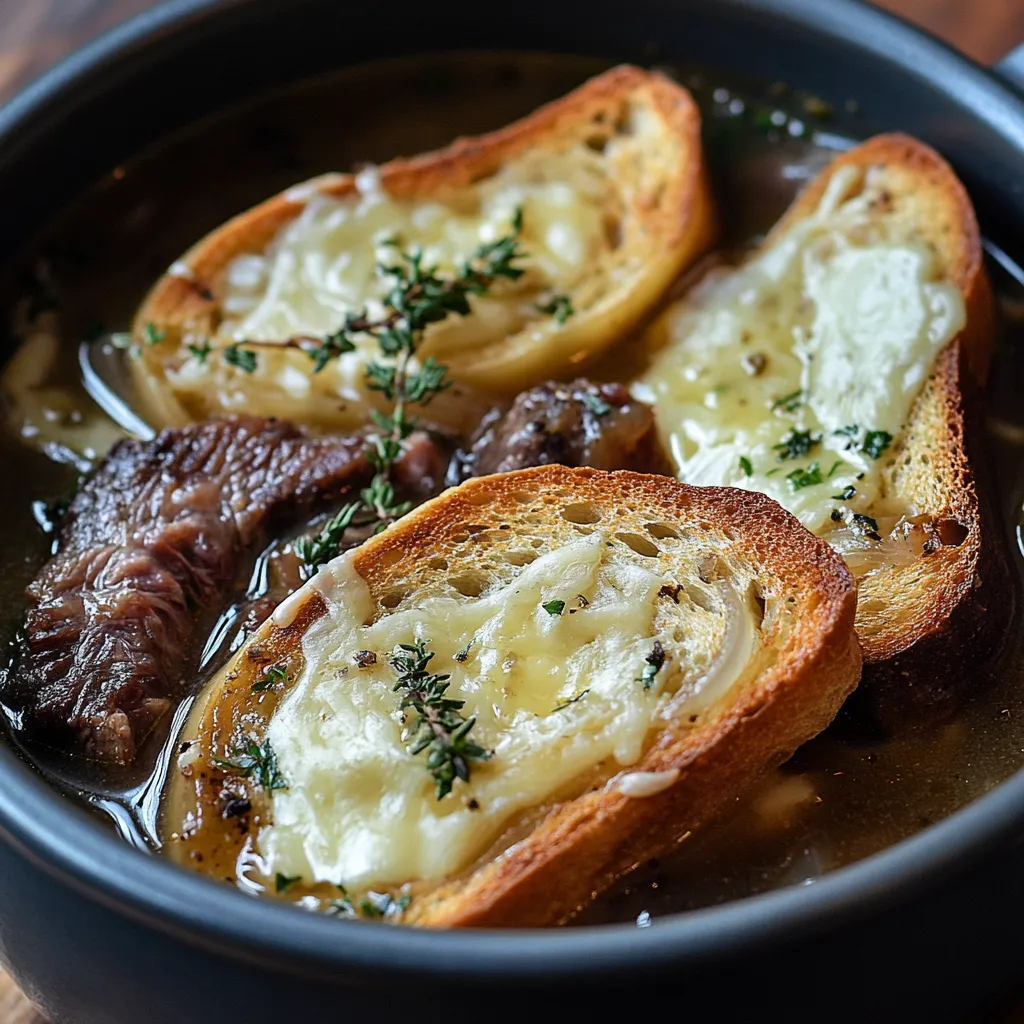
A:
x,y
579,695
242,358
788,403
440,729
558,306
200,351
796,444
555,607
255,760
850,432
462,655
381,904
801,478
846,493
420,296
273,675
652,665
282,883
746,465
875,443
315,551
597,405
153,335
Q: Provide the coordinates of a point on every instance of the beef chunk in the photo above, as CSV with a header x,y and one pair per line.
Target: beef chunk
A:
x,y
576,424
158,533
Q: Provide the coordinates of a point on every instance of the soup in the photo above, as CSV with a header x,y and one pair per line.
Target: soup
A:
x,y
843,796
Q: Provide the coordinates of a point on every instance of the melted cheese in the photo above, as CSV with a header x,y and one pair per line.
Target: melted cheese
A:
x,y
837,316
323,265
361,810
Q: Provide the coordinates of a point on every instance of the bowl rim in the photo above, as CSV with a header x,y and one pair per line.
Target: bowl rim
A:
x,y
69,845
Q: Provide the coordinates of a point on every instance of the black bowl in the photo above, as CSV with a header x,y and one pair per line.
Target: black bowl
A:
x,y
95,931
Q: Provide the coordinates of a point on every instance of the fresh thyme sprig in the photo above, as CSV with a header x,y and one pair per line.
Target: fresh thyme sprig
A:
x,y
419,296
440,728
315,551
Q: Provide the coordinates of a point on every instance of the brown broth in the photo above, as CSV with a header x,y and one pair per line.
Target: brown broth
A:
x,y
839,799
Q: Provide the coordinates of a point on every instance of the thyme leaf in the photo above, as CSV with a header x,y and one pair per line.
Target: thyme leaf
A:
x,y
555,607
796,444
270,678
788,403
801,478
559,307
242,358
200,350
876,442
254,760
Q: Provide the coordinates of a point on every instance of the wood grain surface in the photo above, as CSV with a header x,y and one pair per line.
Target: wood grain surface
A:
x,y
36,33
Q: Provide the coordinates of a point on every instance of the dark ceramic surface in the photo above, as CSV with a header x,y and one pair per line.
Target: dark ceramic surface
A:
x,y
98,933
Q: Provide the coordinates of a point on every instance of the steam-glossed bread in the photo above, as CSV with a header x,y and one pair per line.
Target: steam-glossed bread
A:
x,y
611,187
838,370
486,713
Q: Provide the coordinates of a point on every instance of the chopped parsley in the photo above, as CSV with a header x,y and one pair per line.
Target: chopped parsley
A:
x,y
255,760
746,465
801,478
555,607
570,700
282,883
652,665
597,405
462,655
242,358
846,493
273,675
788,403
835,466
796,444
558,306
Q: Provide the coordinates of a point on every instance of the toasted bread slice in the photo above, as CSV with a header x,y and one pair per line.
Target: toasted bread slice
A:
x,y
615,204
934,590
634,651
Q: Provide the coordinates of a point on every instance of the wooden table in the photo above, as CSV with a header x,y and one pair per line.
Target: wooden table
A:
x,y
36,33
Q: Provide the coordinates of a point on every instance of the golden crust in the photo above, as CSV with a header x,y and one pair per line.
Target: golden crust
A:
x,y
928,626
581,845
668,208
